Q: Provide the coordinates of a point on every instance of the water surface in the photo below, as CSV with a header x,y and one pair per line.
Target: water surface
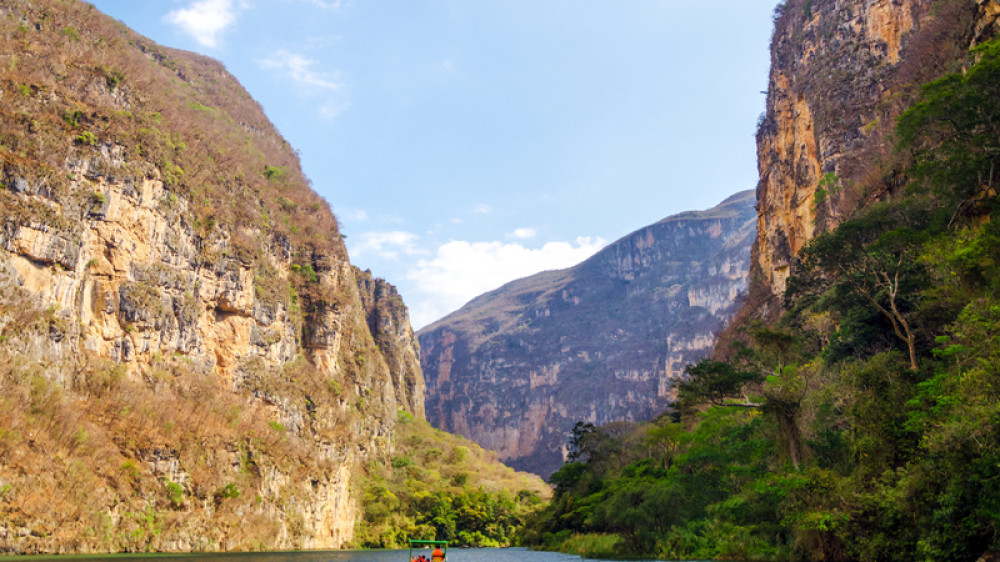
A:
x,y
454,555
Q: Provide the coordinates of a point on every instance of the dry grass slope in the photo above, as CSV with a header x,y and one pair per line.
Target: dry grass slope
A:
x,y
71,76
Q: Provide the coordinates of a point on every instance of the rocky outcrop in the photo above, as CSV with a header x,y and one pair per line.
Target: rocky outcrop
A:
x,y
188,360
842,70
516,368
389,322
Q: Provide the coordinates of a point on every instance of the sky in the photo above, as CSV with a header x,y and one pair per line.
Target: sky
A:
x,y
463,144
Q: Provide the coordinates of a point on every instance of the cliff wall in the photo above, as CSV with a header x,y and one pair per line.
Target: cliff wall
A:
x,y
842,70
516,368
188,360
389,322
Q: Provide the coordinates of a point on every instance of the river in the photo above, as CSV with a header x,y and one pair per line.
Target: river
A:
x,y
454,555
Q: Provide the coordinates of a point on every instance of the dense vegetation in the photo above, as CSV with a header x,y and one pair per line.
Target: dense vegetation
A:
x,y
441,486
865,424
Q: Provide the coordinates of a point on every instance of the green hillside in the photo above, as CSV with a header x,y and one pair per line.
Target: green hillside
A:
x,y
865,424
441,486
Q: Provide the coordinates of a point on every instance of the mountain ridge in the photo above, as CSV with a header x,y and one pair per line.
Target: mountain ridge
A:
x,y
554,276
533,337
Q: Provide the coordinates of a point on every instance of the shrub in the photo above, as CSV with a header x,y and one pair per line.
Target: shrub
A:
x,y
72,118
274,172
229,491
175,493
335,388
86,138
130,470
401,462
68,31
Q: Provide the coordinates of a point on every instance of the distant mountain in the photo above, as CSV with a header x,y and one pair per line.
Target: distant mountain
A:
x,y
516,368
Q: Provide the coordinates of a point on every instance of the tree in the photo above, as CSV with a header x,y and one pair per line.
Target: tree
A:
x,y
954,134
716,382
874,257
768,368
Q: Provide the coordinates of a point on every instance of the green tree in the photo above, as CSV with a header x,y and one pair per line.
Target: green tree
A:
x,y
953,132
874,258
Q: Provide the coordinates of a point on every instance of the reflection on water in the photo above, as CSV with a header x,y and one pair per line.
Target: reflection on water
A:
x,y
454,555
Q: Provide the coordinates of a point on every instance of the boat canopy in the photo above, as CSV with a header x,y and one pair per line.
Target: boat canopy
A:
x,y
427,544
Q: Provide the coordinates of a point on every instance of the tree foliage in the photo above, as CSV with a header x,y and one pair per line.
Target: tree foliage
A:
x,y
865,424
441,487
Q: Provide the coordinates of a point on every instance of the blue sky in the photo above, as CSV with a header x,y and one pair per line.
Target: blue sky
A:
x,y
466,143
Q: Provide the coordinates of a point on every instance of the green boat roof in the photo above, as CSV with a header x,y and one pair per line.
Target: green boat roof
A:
x,y
413,541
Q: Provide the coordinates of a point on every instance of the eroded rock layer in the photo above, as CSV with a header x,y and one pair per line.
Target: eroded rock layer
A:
x,y
516,368
188,360
389,321
841,72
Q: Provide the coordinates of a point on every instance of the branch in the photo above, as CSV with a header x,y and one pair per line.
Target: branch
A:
x,y
865,294
740,405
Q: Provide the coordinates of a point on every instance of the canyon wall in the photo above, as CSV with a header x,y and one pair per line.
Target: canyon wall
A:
x,y
841,72
389,322
516,368
188,361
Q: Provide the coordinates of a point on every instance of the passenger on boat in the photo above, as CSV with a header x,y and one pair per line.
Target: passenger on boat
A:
x,y
437,555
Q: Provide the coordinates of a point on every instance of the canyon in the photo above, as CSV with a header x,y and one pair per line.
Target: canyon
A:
x,y
516,368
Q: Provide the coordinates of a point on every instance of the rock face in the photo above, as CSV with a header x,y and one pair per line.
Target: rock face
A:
x,y
516,368
389,322
181,333
841,72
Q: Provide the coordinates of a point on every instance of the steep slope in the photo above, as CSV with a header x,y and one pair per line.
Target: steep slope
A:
x,y
442,485
841,73
860,420
389,322
187,358
516,368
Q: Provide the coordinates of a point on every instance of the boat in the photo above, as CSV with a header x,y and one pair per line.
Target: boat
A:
x,y
421,544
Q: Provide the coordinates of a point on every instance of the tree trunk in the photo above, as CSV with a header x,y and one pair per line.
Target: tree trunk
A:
x,y
794,443
912,345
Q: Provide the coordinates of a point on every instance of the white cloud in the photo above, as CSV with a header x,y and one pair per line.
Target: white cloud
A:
x,y
482,209
330,111
448,65
522,233
389,245
354,214
462,270
205,20
300,69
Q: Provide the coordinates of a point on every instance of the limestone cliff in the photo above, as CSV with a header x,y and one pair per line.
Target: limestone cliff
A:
x,y
516,368
841,72
389,321
187,358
